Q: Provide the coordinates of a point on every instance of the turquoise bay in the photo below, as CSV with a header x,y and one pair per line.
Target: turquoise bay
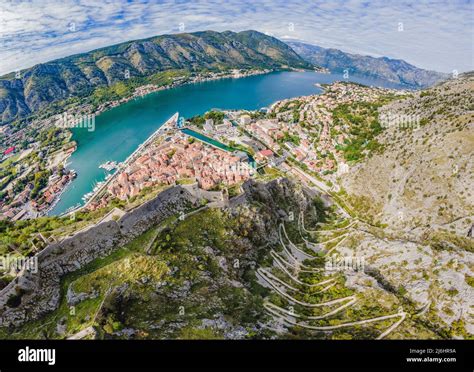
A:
x,y
119,131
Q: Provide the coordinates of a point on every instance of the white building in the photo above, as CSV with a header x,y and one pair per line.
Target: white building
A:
x,y
245,119
342,168
209,125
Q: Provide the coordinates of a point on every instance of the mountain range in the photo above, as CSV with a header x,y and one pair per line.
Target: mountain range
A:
x,y
391,70
76,76
79,75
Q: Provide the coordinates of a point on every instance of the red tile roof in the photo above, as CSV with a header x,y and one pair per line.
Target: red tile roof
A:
x,y
266,152
9,150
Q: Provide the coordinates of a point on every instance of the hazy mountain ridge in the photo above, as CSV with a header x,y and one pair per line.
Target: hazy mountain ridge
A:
x,y
392,70
79,75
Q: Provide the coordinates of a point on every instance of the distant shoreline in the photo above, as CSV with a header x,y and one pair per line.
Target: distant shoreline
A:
x,y
197,79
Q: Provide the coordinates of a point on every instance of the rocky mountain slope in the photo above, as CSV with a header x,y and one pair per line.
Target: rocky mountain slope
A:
x,y
404,180
392,70
79,75
424,175
417,197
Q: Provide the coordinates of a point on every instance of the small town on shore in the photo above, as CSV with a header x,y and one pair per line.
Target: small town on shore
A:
x,y
220,149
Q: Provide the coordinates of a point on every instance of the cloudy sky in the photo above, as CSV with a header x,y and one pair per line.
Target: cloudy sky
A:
x,y
435,34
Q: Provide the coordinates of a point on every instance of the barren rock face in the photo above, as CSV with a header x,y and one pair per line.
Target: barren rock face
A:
x,y
419,190
424,176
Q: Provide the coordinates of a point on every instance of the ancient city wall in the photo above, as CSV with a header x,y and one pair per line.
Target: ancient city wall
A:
x,y
40,291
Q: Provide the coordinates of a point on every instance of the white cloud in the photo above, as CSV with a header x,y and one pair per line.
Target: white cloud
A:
x,y
436,34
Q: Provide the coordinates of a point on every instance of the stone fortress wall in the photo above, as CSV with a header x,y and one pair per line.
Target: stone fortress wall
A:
x,y
40,291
